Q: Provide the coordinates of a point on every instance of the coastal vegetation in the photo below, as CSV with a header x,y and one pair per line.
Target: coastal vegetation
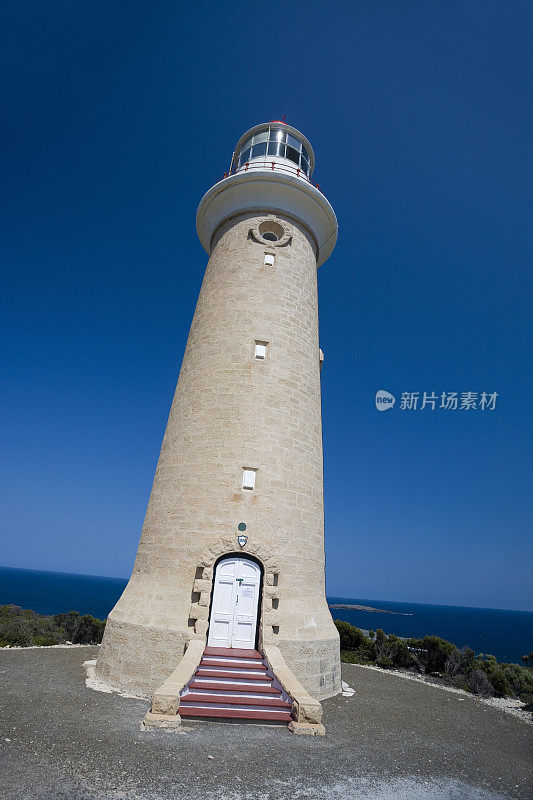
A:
x,y
21,628
480,674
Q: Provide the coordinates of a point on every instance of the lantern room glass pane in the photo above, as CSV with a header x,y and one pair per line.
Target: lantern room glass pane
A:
x,y
293,141
259,149
244,156
273,148
261,137
305,165
293,155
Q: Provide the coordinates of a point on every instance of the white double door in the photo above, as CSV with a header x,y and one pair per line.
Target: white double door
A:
x,y
233,620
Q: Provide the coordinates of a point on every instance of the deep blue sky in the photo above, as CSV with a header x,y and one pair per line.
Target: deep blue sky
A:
x,y
119,115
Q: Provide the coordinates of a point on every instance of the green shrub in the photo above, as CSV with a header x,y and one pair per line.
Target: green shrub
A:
x,y
432,652
460,662
16,631
482,674
353,639
44,641
397,650
352,657
496,676
69,624
509,680
19,627
478,683
521,680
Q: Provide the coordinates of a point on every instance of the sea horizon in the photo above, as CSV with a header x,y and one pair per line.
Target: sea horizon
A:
x,y
336,597
505,633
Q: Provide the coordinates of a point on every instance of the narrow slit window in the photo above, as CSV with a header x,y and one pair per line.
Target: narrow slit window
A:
x,y
269,260
260,349
248,479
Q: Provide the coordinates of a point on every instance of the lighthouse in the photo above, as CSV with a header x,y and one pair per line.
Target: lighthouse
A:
x,y
231,561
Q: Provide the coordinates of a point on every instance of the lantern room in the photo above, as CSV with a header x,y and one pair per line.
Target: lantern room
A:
x,y
274,143
271,169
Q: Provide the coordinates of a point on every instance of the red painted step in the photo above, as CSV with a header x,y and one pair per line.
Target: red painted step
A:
x,y
232,651
221,662
200,697
241,674
235,714
234,687
234,684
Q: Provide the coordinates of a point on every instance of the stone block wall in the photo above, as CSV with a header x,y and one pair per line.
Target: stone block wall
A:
x,y
230,412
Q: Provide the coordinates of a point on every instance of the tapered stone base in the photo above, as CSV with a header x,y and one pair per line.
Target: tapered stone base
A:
x,y
138,659
316,664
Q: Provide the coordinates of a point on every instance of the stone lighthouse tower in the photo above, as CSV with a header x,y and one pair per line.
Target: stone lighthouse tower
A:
x,y
231,555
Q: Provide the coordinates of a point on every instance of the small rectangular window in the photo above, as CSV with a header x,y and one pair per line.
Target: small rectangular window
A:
x,y
248,478
269,260
260,350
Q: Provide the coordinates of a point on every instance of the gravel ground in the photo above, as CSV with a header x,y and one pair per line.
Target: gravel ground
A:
x,y
393,740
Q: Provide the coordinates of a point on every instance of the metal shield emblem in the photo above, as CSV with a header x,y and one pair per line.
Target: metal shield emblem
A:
x,y
242,540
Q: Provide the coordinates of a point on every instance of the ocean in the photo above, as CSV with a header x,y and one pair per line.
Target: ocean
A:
x,y
505,634
508,635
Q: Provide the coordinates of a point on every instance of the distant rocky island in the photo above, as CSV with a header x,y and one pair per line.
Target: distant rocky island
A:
x,y
352,607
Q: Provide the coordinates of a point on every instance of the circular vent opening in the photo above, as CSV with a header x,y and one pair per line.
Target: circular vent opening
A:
x,y
271,231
